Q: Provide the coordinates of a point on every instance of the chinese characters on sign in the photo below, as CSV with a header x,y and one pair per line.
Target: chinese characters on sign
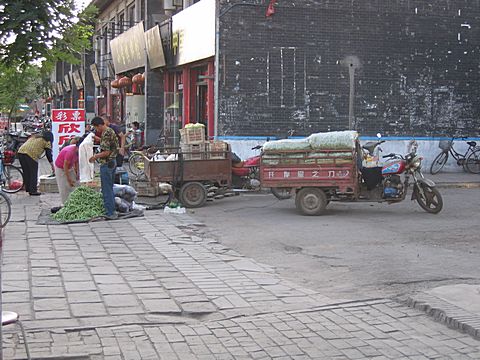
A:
x,y
307,174
128,49
66,124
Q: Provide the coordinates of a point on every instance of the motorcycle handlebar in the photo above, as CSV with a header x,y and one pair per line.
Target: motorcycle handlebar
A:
x,y
257,147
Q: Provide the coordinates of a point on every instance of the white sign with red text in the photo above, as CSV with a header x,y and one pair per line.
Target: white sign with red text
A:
x,y
66,124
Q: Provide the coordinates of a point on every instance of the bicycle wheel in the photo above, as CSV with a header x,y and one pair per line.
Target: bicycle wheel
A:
x,y
5,210
472,164
438,163
136,164
12,179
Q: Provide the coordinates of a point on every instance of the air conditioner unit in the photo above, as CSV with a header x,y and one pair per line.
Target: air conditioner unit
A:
x,y
168,5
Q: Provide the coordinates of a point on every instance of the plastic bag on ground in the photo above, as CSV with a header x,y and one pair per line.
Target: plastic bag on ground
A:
x,y
125,192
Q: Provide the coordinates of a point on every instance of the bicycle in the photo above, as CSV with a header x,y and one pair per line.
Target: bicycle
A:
x,y
136,160
5,179
11,177
469,160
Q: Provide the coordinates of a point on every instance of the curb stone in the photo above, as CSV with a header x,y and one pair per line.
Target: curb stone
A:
x,y
442,311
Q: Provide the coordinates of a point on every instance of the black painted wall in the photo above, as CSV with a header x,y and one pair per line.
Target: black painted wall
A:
x,y
416,67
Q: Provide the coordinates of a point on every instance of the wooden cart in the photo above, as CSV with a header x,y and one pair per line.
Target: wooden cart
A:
x,y
191,178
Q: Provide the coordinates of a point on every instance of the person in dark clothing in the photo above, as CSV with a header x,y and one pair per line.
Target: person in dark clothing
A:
x,y
29,153
109,148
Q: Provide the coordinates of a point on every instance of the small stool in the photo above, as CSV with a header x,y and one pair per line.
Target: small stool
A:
x,y
10,317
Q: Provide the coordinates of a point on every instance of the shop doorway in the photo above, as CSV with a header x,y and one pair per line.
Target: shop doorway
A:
x,y
201,105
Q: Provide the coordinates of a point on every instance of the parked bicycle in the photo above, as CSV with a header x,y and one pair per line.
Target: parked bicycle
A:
x,y
11,176
470,160
11,181
136,160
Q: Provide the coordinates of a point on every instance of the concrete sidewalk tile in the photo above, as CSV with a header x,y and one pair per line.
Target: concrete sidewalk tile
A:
x,y
161,306
88,309
112,289
80,285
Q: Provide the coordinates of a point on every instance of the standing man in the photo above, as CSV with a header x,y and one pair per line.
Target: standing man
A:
x,y
107,155
120,135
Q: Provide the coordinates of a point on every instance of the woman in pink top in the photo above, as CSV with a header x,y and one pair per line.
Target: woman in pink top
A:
x,y
66,170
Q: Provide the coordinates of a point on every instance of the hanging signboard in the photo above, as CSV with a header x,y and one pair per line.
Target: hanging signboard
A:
x,y
66,123
95,75
59,88
153,44
193,32
68,86
128,49
77,79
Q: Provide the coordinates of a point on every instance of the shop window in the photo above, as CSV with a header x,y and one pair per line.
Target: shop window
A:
x,y
121,22
173,117
142,9
131,15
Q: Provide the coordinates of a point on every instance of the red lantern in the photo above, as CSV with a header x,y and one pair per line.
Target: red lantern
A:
x,y
138,79
125,81
115,84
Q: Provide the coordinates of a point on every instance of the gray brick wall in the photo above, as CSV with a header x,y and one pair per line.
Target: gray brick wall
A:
x,y
416,67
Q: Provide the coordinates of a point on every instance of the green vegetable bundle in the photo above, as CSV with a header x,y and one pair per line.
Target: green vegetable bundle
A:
x,y
83,203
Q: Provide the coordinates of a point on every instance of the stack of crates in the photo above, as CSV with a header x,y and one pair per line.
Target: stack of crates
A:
x,y
217,149
195,147
192,143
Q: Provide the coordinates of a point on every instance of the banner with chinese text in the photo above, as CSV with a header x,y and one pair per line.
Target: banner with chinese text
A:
x,y
66,123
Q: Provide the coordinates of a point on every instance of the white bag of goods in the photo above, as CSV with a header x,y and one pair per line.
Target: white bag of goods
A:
x,y
158,156
334,140
287,144
172,157
85,152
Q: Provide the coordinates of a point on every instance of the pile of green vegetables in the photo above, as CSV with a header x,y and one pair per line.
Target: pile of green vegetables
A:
x,y
83,203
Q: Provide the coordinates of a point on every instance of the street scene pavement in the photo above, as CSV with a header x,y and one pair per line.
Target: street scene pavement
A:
x,y
157,287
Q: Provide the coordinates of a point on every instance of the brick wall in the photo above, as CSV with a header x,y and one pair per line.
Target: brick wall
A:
x,y
415,67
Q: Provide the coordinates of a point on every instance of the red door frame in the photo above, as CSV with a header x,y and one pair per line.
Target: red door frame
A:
x,y
189,75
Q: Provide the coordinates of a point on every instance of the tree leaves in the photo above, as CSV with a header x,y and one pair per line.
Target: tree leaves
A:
x,y
29,30
17,84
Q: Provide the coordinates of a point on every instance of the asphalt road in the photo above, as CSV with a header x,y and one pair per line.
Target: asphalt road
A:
x,y
355,250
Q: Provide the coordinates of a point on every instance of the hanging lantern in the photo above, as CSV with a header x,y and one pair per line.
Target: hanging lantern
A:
x,y
125,81
115,84
138,79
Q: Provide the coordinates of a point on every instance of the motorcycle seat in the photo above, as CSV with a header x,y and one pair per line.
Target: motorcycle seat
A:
x,y
472,143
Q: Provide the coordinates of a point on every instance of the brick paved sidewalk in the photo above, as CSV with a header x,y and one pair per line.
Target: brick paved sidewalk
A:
x,y
154,288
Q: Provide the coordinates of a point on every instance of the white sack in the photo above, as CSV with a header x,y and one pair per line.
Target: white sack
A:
x,y
287,144
334,140
85,152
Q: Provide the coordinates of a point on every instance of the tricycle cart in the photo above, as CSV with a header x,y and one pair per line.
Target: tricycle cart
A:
x,y
192,174
319,175
316,176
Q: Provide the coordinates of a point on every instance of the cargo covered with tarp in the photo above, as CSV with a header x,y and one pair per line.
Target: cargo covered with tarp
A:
x,y
328,160
333,140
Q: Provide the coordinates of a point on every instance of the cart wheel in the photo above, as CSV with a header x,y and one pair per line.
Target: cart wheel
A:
x,y
311,201
193,195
